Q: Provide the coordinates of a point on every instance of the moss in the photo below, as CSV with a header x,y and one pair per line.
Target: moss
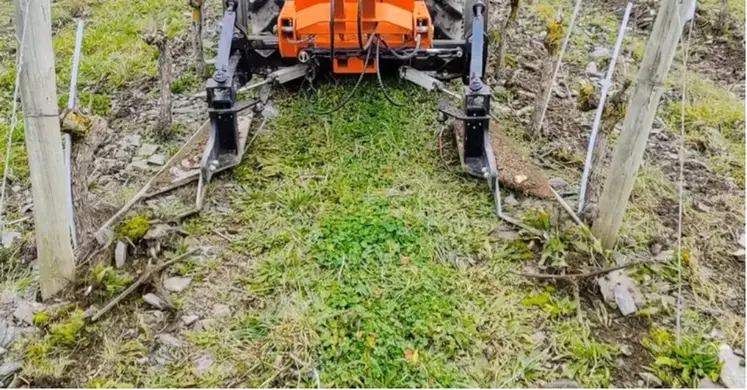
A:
x,y
134,228
586,96
41,319
554,36
65,333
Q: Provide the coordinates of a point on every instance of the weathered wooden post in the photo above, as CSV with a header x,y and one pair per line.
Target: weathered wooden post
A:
x,y
197,50
649,86
44,145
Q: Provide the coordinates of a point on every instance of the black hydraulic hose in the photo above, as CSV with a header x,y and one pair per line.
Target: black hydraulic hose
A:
x,y
347,98
381,83
407,56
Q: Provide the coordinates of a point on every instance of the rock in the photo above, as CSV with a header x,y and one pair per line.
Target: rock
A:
x,y
591,68
158,231
739,253
510,200
203,363
732,373
153,317
539,337
120,254
140,165
655,248
618,287
24,313
624,300
189,319
702,207
626,350
10,368
741,241
132,139
620,259
9,238
563,384
706,383
147,149
220,310
665,256
203,325
601,52
509,235
7,334
558,183
176,283
169,340
154,300
650,379
157,159
518,179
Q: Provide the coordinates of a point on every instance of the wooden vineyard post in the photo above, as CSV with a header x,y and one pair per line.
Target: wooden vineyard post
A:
x,y
649,86
44,145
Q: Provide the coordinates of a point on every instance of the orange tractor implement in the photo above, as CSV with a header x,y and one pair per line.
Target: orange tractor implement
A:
x,y
431,41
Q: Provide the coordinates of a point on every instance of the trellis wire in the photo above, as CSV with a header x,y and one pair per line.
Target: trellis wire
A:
x,y
606,84
14,114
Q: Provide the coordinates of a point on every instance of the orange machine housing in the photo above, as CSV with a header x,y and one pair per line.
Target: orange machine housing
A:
x,y
306,23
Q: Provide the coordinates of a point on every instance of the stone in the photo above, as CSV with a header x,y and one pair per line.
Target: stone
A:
x,y
140,165
10,368
591,68
732,373
558,183
169,340
539,337
189,319
510,200
624,300
706,383
518,179
154,300
176,283
650,379
626,350
220,310
655,248
9,238
508,235
157,231
620,288
563,384
7,334
120,254
203,363
132,139
24,313
157,159
601,52
741,241
147,149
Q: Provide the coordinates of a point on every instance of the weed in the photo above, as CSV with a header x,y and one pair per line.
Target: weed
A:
x,y
112,281
186,82
685,364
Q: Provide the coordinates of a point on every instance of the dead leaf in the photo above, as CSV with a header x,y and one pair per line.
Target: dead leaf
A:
x,y
359,335
404,260
412,356
378,292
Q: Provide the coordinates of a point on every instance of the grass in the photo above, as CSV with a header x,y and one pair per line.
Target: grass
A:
x,y
113,55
